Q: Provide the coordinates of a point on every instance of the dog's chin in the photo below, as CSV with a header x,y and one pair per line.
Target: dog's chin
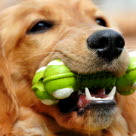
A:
x,y
89,115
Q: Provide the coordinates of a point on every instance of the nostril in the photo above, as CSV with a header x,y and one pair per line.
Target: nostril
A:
x,y
107,43
103,43
119,42
97,43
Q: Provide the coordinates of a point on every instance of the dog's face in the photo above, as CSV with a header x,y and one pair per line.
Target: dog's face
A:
x,y
75,31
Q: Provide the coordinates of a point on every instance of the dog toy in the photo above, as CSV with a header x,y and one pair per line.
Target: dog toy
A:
x,y
97,80
56,81
53,82
125,85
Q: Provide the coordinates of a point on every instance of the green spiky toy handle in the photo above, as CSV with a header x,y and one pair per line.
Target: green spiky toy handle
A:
x,y
56,81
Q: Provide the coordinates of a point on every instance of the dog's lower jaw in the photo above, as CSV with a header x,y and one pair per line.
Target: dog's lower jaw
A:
x,y
98,121
88,123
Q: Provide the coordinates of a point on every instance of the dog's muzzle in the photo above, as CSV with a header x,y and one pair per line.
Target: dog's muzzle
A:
x,y
108,44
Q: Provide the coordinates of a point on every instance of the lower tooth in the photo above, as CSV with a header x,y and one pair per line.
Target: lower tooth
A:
x,y
109,97
87,93
102,99
112,93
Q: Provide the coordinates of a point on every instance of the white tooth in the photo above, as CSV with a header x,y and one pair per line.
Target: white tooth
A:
x,y
108,98
134,86
102,99
98,99
87,93
112,93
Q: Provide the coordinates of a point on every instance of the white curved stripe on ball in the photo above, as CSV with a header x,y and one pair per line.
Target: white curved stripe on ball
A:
x,y
41,69
49,102
63,93
55,62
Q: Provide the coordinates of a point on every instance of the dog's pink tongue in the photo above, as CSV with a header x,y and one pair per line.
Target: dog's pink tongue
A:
x,y
82,101
100,94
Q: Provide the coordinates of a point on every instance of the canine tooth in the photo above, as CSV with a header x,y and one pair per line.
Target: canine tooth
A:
x,y
87,93
112,93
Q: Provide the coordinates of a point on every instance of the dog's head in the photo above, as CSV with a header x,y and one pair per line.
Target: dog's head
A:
x,y
75,31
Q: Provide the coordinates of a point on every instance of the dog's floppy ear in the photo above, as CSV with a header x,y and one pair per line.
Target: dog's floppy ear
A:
x,y
8,102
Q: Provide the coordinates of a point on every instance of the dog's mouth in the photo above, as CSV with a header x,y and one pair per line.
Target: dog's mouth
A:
x,y
89,98
93,92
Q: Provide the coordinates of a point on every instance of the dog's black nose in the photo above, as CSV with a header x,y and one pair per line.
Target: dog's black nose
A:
x,y
108,44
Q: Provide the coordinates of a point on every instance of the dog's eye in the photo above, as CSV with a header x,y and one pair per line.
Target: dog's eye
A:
x,y
101,22
40,27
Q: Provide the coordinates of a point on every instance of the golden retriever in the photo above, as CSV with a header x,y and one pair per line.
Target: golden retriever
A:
x,y
35,32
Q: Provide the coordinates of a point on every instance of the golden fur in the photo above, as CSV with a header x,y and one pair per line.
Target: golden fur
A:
x,y
21,113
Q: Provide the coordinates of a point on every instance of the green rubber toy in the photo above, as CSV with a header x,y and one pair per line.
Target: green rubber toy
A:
x,y
125,85
55,81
